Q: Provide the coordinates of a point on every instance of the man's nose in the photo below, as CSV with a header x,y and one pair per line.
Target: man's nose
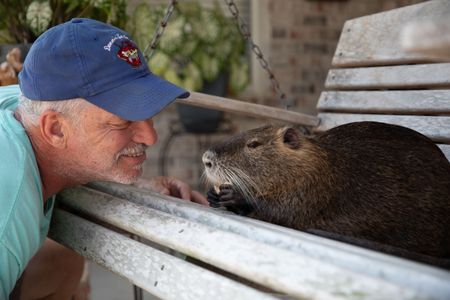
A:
x,y
144,132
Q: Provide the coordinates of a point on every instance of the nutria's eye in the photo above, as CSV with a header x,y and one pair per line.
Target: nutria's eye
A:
x,y
254,144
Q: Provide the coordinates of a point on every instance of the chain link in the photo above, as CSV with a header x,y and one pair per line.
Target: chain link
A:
x,y
243,29
245,32
159,30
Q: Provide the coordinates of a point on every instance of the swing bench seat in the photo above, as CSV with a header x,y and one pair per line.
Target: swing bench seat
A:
x,y
232,257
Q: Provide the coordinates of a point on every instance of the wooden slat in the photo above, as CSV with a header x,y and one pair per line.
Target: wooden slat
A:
x,y
375,39
436,128
430,38
445,149
343,255
249,109
267,265
161,274
395,102
303,273
394,77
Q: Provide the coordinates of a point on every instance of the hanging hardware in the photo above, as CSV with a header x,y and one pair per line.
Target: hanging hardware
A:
x,y
245,32
243,29
159,30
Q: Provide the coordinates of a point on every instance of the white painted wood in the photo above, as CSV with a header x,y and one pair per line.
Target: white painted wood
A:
x,y
436,128
298,275
376,39
392,77
249,109
430,38
374,264
161,274
399,102
445,149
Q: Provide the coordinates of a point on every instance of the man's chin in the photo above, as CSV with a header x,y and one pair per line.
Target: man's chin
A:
x,y
127,178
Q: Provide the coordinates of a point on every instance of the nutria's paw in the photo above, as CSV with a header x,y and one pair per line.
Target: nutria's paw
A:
x,y
213,198
229,198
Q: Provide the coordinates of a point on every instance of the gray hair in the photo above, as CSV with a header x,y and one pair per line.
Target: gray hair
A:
x,y
30,110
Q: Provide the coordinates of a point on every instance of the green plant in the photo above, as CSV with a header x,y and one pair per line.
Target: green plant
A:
x,y
22,21
197,46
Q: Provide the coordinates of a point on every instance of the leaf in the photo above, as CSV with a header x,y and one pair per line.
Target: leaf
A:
x,y
38,16
239,76
72,6
144,25
159,63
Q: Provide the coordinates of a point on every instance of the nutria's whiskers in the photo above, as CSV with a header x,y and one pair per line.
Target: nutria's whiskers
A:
x,y
245,185
366,180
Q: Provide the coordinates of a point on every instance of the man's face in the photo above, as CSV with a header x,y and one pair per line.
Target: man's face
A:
x,y
107,148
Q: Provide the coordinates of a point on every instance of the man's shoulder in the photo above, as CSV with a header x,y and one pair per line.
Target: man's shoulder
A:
x,y
19,174
12,172
21,213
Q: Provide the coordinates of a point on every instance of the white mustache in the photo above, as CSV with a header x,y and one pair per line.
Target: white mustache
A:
x,y
135,150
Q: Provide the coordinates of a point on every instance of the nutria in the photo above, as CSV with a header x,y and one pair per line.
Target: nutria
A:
x,y
367,181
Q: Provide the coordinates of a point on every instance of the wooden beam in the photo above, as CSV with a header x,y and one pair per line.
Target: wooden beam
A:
x,y
249,109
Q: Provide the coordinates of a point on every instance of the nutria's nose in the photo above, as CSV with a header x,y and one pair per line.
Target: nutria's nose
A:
x,y
208,159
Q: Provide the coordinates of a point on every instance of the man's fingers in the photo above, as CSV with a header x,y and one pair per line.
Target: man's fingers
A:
x,y
164,191
197,197
183,191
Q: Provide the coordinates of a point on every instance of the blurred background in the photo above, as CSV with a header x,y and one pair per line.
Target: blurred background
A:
x,y
202,50
297,38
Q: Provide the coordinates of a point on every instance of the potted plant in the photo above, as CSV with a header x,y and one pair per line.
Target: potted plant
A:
x,y
200,50
22,21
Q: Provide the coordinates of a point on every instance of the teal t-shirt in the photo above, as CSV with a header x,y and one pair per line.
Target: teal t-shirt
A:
x,y
24,220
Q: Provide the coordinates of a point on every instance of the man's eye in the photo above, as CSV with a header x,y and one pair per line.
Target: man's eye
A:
x,y
121,125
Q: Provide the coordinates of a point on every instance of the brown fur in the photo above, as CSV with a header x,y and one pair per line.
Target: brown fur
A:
x,y
367,180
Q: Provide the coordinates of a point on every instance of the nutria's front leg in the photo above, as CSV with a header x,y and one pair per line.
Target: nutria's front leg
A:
x,y
231,199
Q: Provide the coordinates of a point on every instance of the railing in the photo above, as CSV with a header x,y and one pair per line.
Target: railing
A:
x,y
226,256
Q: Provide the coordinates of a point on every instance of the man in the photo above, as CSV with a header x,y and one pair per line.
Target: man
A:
x,y
83,113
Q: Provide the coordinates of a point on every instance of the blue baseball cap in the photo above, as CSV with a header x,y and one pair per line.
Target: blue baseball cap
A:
x,y
88,59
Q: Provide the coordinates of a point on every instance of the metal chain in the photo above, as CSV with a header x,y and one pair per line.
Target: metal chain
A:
x,y
159,30
245,32
243,29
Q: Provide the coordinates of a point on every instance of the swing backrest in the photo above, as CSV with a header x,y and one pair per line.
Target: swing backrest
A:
x,y
374,79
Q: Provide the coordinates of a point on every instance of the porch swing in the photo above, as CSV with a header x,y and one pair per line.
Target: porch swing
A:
x,y
240,258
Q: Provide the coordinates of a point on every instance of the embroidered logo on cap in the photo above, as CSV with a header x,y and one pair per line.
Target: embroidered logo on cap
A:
x,y
129,53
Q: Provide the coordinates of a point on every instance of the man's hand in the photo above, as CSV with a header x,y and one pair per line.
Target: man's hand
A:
x,y
171,187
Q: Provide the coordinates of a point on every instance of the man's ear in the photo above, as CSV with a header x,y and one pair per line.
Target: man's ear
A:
x,y
53,128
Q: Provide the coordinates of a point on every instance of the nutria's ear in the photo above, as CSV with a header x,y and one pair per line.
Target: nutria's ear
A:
x,y
291,138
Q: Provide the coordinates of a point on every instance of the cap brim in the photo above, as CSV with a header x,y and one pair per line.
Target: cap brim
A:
x,y
139,99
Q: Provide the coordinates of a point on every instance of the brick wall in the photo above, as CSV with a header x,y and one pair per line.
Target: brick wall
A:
x,y
299,45
302,39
